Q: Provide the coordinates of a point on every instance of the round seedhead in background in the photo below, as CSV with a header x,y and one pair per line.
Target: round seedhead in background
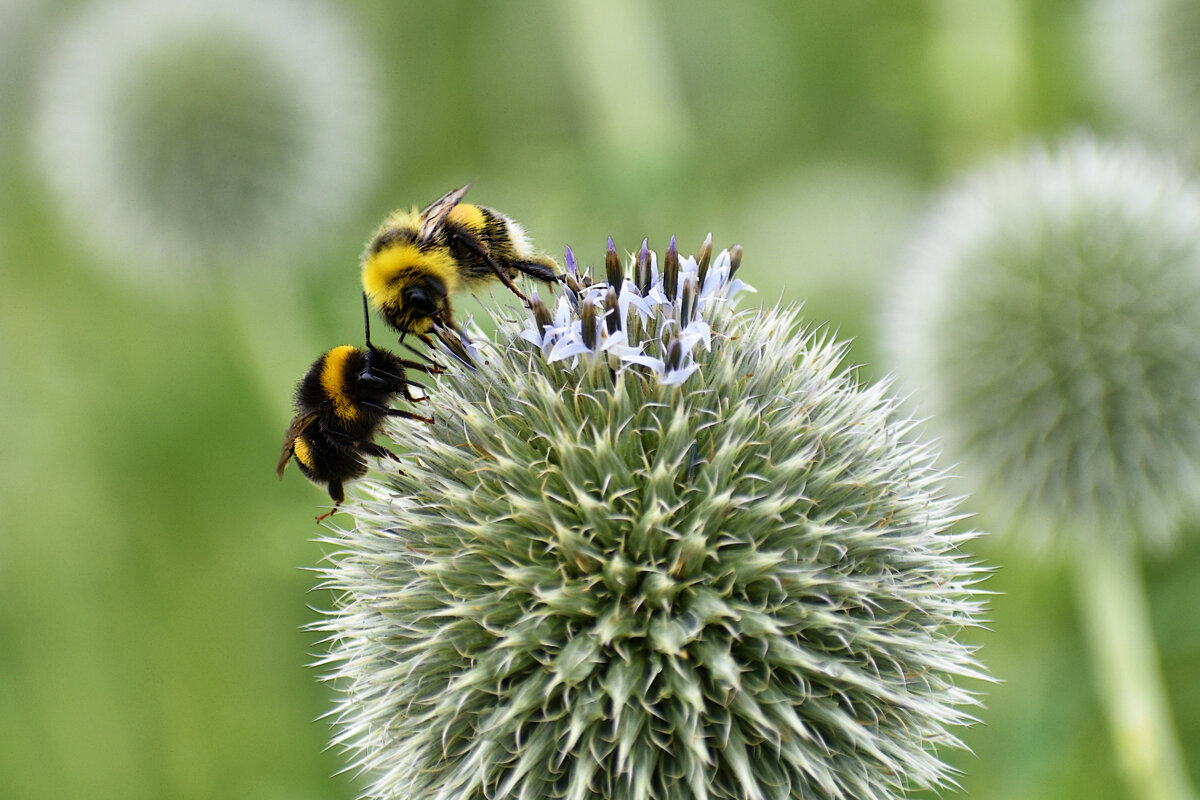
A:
x,y
182,137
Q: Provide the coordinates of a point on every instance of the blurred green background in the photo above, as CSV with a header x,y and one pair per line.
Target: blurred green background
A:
x,y
153,583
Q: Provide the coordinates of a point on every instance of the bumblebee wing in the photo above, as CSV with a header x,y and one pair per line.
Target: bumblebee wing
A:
x,y
299,425
435,213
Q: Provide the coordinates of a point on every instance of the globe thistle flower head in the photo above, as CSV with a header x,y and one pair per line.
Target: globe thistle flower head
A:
x,y
1147,63
186,135
1046,318
653,548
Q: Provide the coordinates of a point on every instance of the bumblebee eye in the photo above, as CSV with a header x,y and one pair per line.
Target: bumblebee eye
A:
x,y
374,379
420,300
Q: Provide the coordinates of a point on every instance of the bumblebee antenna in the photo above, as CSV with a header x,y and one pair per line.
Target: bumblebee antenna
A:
x,y
367,322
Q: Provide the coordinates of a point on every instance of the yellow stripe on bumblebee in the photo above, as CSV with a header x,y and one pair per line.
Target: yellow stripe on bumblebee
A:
x,y
333,381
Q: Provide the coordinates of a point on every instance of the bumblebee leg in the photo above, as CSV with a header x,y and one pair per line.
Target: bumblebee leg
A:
x,y
343,440
336,493
477,247
410,397
396,412
539,271
380,377
432,368
378,451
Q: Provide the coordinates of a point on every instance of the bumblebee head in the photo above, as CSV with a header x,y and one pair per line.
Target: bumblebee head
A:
x,y
425,299
409,282
414,306
381,375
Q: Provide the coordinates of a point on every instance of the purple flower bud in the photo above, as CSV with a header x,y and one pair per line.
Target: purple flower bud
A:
x,y
612,265
671,272
704,257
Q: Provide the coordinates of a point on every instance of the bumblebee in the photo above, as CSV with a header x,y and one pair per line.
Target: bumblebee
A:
x,y
341,403
416,260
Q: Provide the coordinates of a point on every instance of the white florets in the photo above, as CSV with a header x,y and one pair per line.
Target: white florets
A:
x,y
646,322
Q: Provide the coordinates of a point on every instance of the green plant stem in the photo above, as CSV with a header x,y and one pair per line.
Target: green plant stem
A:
x,y
1115,614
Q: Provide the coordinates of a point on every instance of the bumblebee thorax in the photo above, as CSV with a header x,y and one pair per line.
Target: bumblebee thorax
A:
x,y
335,370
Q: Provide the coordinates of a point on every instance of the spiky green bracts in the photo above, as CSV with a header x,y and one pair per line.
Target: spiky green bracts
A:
x,y
653,548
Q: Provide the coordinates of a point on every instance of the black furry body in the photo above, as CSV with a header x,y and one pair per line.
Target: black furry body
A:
x,y
464,242
341,403
416,261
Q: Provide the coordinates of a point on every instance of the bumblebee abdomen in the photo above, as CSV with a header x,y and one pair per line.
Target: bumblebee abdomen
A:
x,y
469,216
323,462
302,450
519,245
507,244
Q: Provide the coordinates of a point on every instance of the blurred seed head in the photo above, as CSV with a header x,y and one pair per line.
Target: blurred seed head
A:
x,y
1145,56
23,26
679,559
1047,317
200,134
